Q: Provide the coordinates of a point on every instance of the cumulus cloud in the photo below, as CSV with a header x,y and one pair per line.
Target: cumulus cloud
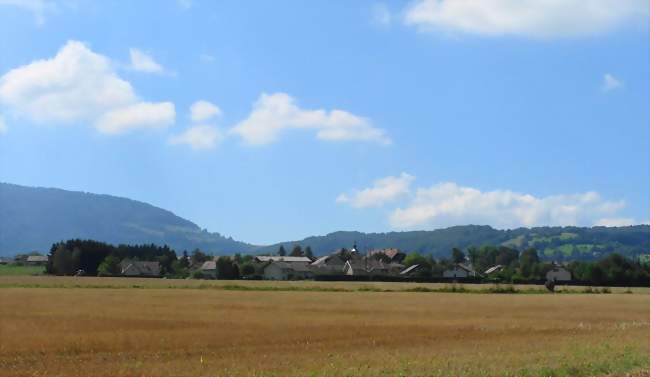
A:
x,y
78,85
276,113
382,191
610,82
529,18
447,204
198,137
203,110
3,125
136,116
143,62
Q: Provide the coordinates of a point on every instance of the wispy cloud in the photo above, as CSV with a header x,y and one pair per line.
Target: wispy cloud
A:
x,y
274,114
381,15
610,83
200,137
39,8
382,191
143,62
203,110
3,125
528,18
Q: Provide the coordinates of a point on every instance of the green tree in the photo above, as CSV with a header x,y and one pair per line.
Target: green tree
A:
x,y
308,253
281,251
109,267
62,261
457,255
296,251
198,257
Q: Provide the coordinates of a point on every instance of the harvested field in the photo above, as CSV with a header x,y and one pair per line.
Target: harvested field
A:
x,y
110,329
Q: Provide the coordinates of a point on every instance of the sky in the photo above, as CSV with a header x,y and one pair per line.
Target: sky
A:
x,y
270,121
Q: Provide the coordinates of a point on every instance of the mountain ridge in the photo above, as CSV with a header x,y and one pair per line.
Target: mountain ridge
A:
x,y
33,218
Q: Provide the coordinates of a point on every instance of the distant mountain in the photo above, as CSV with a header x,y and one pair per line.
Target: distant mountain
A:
x,y
559,243
34,218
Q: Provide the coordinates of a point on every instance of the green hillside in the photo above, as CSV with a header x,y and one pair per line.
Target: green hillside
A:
x,y
34,218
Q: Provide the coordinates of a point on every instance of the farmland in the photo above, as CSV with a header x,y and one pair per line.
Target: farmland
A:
x,y
113,327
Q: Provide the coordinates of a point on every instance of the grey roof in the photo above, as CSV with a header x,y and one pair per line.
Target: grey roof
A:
x,y
298,267
141,267
274,258
209,265
37,258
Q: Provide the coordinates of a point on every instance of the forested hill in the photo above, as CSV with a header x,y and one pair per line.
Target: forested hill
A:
x,y
34,218
558,243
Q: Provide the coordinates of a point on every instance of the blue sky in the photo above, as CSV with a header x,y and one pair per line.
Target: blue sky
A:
x,y
312,117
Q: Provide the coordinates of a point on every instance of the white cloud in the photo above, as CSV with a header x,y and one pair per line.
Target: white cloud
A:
x,y
610,82
615,221
207,58
137,116
203,110
143,62
383,191
78,86
381,14
39,8
185,4
530,18
3,125
275,113
199,137
449,204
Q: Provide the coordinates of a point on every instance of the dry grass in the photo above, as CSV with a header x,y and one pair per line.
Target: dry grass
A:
x,y
165,332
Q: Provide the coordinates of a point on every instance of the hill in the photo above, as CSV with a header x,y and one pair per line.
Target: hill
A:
x,y
558,243
33,218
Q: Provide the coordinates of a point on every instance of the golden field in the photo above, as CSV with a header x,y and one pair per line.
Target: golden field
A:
x,y
144,327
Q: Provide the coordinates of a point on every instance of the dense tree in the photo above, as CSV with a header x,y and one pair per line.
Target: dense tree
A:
x,y
109,267
281,251
198,257
308,253
296,251
457,255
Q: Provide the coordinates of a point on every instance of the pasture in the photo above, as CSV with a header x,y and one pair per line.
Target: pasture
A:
x,y
153,327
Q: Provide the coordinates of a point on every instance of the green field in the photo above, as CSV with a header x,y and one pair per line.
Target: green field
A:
x,y
13,270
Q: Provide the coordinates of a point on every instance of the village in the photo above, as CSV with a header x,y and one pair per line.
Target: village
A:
x,y
389,264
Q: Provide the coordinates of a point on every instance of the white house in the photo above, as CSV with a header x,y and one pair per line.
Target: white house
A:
x,y
459,270
558,273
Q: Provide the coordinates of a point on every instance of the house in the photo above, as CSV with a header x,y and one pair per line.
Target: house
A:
x,y
459,270
558,273
494,270
277,258
328,265
394,255
281,270
209,269
368,266
137,268
37,260
412,270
